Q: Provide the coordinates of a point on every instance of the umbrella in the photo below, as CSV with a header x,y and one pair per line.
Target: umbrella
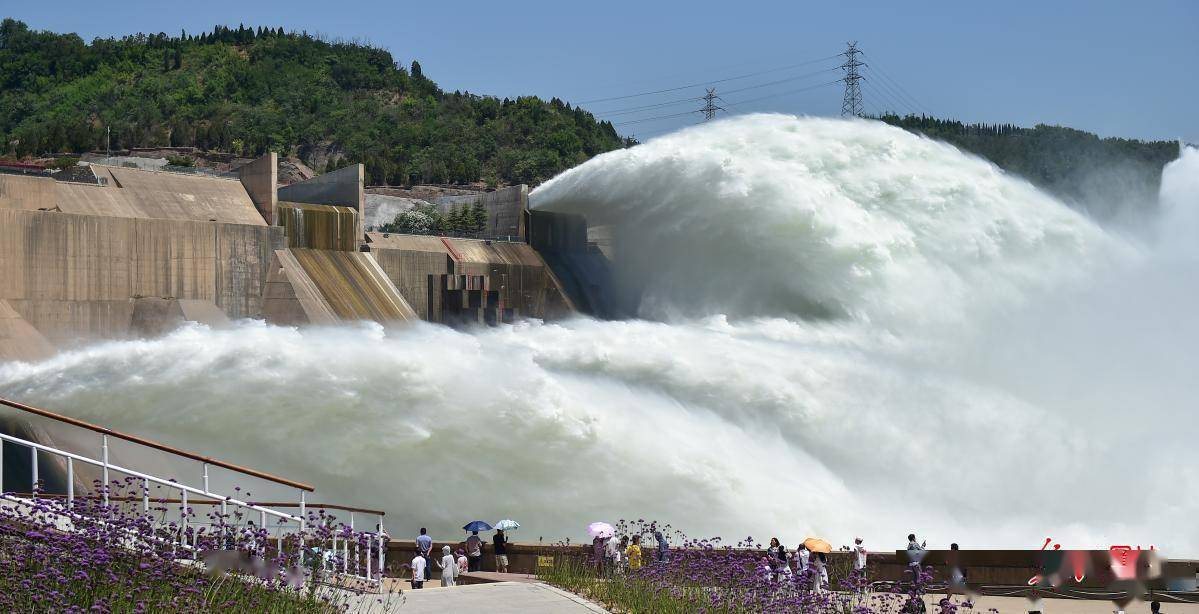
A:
x,y
600,529
507,525
817,545
476,525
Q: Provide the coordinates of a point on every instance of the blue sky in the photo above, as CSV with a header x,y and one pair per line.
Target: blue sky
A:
x,y
1115,68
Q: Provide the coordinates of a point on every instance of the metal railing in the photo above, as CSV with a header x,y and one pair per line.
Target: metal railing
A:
x,y
346,545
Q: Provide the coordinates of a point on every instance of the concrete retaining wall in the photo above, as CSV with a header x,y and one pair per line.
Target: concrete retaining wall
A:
x,y
515,270
74,276
505,210
343,187
260,178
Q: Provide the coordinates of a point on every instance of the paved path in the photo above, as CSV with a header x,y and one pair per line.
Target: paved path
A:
x,y
497,598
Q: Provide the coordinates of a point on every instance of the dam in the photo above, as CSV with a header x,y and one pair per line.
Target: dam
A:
x,y
116,252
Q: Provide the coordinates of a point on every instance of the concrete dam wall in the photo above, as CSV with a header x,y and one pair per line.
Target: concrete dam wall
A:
x,y
139,251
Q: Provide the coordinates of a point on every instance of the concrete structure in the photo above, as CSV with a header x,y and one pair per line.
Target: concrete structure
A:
x,y
524,283
319,226
495,598
140,251
583,269
343,187
259,178
505,208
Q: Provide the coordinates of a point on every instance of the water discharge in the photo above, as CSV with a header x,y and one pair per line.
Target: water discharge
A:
x,y
847,330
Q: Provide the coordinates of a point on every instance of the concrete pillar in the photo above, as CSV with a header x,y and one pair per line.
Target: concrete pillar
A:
x,y
260,179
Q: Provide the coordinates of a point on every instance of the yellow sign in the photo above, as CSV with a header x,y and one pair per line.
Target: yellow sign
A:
x,y
545,561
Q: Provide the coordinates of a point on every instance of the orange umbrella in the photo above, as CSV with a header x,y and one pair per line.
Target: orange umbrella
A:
x,y
817,545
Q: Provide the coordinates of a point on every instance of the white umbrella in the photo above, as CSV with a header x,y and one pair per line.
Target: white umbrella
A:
x,y
507,524
600,529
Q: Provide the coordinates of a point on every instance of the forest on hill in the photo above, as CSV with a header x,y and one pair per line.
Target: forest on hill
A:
x,y
248,91
1106,177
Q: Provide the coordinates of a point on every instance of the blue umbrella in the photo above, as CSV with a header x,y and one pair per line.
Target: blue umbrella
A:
x,y
477,525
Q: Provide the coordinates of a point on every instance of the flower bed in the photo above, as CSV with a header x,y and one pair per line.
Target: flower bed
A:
x,y
706,575
88,556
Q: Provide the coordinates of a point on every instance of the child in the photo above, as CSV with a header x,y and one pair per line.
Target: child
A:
x,y
418,571
463,562
634,553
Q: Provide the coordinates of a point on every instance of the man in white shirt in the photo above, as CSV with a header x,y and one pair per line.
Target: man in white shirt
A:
x,y
418,571
859,560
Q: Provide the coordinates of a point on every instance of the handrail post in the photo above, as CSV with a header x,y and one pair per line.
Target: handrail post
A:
x,y
183,517
146,496
382,549
300,535
1,466
370,540
33,486
346,568
206,491
266,535
104,459
70,483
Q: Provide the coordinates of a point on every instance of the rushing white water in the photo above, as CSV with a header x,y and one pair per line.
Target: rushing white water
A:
x,y
855,332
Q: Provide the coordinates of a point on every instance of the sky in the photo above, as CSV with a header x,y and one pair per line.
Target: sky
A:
x,y
1114,68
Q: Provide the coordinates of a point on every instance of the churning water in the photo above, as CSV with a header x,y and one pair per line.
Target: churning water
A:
x,y
846,330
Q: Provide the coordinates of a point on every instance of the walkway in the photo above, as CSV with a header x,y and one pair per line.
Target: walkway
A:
x,y
497,598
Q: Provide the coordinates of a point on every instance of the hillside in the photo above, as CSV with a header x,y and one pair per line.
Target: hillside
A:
x,y
249,90
1105,177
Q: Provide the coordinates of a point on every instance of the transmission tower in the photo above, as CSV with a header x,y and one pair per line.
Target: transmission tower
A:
x,y
851,105
710,106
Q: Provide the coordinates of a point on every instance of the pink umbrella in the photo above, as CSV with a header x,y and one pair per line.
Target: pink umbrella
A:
x,y
600,529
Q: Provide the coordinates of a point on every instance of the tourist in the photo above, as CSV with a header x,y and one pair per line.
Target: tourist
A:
x,y
448,566
598,552
463,562
633,553
612,554
915,555
424,545
778,558
859,563
474,550
418,570
500,541
821,571
663,547
801,559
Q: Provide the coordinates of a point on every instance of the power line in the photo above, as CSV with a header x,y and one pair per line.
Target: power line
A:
x,y
651,119
648,106
629,110
787,93
894,99
872,88
882,73
788,79
707,83
851,103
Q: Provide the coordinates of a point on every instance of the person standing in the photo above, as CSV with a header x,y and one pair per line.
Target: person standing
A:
x,y
424,545
500,541
777,557
612,554
418,571
802,555
634,553
915,556
474,551
663,547
448,566
859,562
820,572
463,563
